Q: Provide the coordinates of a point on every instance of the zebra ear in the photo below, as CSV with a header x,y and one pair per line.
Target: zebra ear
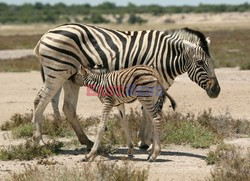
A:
x,y
208,41
83,71
189,44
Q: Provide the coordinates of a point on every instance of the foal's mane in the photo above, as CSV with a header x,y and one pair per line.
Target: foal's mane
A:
x,y
192,36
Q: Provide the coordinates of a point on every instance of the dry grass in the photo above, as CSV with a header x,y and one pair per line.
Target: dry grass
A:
x,y
18,41
230,48
23,64
201,131
231,163
224,125
101,170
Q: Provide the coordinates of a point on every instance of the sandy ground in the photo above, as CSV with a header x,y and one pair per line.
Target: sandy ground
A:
x,y
13,54
18,90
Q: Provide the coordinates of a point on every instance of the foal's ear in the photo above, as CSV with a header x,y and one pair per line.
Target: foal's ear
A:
x,y
83,71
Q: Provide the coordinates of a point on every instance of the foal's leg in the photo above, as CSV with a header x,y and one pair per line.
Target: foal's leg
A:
x,y
124,125
156,119
146,131
107,106
156,138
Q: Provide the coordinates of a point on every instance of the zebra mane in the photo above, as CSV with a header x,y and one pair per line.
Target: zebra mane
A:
x,y
193,36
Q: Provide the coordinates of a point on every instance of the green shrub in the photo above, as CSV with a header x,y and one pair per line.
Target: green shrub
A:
x,y
134,19
30,150
186,130
96,19
17,120
23,131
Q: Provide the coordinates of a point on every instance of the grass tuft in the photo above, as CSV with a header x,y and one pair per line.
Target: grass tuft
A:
x,y
231,163
30,150
16,120
214,157
23,131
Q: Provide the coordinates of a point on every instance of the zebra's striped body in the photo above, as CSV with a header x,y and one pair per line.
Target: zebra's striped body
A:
x,y
63,49
124,86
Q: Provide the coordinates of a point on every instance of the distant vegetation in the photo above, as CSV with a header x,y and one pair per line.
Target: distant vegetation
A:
x,y
40,13
229,49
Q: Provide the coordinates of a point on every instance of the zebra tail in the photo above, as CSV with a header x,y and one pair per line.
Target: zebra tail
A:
x,y
172,101
36,49
162,98
42,74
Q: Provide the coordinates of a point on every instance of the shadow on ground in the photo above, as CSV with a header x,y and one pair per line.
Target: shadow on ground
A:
x,y
123,151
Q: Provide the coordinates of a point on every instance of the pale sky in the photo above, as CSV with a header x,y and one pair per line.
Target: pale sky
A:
x,y
138,2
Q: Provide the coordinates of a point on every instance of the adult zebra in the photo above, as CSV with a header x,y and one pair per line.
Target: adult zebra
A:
x,y
63,49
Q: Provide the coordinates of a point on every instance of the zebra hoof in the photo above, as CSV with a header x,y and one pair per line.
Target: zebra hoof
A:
x,y
150,159
144,147
89,145
83,160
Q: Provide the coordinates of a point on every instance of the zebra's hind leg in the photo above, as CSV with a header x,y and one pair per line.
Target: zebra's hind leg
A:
x,y
124,125
107,107
41,101
71,92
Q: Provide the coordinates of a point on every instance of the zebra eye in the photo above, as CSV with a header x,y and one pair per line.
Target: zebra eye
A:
x,y
200,62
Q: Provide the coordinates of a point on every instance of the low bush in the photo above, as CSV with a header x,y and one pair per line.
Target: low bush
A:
x,y
231,163
30,150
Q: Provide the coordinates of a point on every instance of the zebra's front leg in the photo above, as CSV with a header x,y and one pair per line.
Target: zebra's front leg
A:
x,y
71,92
107,106
124,125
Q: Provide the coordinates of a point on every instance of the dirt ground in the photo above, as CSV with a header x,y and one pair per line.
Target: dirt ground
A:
x,y
18,90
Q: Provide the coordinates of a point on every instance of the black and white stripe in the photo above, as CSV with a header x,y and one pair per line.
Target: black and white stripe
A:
x,y
63,49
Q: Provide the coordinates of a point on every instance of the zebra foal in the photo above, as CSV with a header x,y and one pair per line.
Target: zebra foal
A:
x,y
124,86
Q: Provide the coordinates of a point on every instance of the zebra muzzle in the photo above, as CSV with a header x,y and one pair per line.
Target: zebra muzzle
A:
x,y
213,87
